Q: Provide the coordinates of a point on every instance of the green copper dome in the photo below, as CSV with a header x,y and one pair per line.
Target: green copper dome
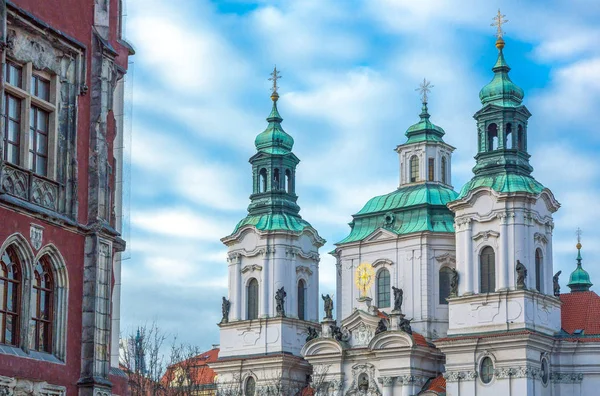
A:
x,y
503,183
274,140
424,130
579,280
501,90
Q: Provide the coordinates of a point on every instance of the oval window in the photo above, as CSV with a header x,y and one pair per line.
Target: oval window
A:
x,y
545,373
487,370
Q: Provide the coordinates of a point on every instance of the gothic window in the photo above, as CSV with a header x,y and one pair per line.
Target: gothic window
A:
x,y
262,180
520,140
444,170
508,137
40,326
276,179
301,299
250,387
445,276
252,300
38,141
12,127
288,181
492,137
383,289
538,270
487,270
10,302
431,169
414,169
486,370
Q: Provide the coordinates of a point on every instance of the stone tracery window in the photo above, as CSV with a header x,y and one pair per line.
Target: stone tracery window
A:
x,y
383,288
42,312
10,297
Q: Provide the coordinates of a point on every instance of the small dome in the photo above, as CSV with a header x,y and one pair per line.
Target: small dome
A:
x,y
424,130
501,90
579,279
274,139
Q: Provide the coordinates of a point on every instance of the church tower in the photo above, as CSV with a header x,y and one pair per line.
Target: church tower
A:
x,y
273,263
504,310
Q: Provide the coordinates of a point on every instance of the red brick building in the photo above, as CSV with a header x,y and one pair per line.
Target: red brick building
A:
x,y
63,68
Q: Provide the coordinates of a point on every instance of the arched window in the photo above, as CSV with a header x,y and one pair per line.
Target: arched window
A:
x,y
487,270
10,302
538,270
492,137
444,170
40,326
383,289
431,170
262,182
520,138
252,300
250,387
301,299
288,180
445,276
508,137
486,370
276,183
414,169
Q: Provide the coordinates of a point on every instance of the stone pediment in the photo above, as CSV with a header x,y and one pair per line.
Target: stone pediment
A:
x,y
380,234
362,326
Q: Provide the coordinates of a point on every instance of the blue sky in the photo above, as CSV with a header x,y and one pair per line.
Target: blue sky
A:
x,y
350,69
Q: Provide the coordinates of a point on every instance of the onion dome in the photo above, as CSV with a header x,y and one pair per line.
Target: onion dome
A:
x,y
501,90
424,130
579,281
274,140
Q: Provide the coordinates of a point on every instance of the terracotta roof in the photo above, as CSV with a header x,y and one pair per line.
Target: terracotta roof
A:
x,y
197,366
580,311
437,384
419,339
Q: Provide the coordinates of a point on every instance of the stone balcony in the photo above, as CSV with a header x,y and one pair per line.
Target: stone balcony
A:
x,y
30,187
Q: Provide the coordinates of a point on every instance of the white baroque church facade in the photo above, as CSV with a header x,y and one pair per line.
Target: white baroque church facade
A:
x,y
438,292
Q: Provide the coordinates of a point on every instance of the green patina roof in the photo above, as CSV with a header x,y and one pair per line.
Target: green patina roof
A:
x,y
409,209
424,130
503,183
274,222
274,140
579,280
501,90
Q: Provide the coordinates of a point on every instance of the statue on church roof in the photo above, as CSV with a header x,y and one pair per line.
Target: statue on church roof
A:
x,y
454,283
556,285
381,326
398,297
405,325
225,306
312,334
328,306
280,302
521,275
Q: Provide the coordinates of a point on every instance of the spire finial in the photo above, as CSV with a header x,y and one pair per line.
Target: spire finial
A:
x,y
578,232
274,77
499,20
424,89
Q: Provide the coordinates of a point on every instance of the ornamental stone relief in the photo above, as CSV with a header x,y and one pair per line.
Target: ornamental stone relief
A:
x,y
363,382
15,181
362,335
44,193
566,378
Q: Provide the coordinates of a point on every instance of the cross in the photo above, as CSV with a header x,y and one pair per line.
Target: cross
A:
x,y
499,20
274,77
578,232
424,88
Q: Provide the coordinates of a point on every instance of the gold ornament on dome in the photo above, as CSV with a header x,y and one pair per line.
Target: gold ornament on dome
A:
x,y
364,278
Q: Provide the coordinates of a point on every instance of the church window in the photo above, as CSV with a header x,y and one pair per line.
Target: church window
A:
x,y
431,169
383,289
40,327
538,270
262,180
250,387
276,179
445,276
12,127
545,372
414,169
288,181
492,137
486,370
508,137
252,300
487,270
10,301
444,170
520,140
301,299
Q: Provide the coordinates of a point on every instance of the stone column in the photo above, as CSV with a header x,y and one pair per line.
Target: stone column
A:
x,y
503,253
387,384
236,292
469,264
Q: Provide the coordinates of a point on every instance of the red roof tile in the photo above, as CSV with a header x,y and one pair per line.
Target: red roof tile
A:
x,y
419,339
581,311
438,384
198,368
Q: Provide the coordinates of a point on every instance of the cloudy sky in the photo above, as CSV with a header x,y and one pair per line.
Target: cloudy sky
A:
x,y
350,69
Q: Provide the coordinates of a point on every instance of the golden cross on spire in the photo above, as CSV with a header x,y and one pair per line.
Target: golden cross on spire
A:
x,y
424,89
499,20
274,77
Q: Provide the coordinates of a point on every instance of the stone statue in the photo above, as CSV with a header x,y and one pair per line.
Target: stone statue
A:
x,y
454,283
225,306
556,285
381,326
398,297
405,325
363,383
328,306
312,334
280,302
336,332
521,275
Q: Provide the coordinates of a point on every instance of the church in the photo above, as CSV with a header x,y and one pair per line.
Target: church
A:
x,y
439,292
